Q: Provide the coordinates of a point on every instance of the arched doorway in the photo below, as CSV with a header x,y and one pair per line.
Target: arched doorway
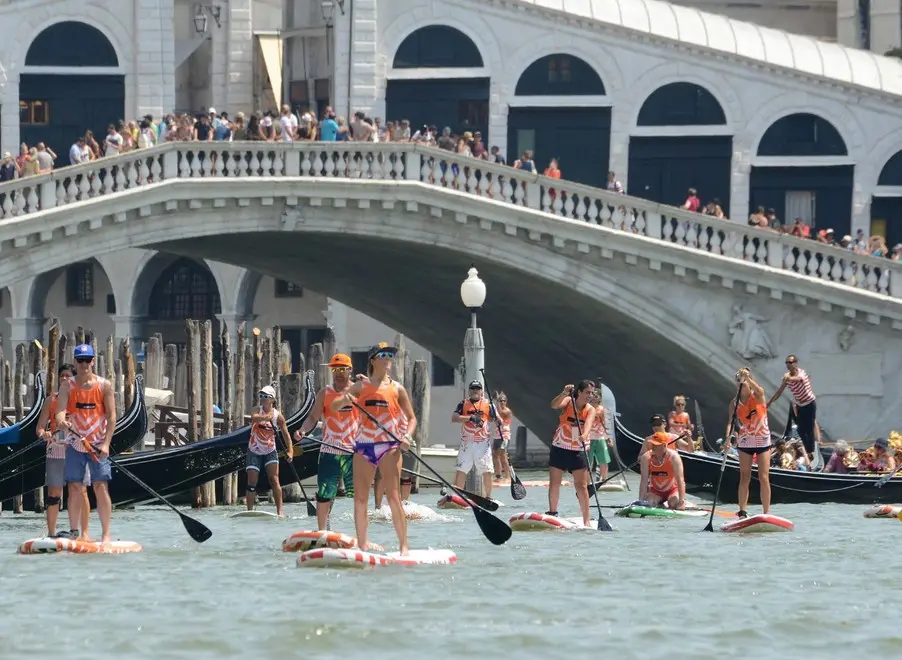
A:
x,y
184,289
578,136
664,165
795,183
438,78
886,204
55,108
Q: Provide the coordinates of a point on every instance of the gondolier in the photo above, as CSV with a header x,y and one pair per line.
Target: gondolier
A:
x,y
86,409
799,385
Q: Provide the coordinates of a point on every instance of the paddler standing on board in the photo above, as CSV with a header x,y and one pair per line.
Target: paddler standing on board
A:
x,y
387,402
600,441
501,437
662,479
754,441
339,430
570,444
86,409
799,385
475,415
56,464
261,449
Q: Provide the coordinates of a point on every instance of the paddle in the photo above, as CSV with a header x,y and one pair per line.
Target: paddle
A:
x,y
722,514
723,464
495,530
196,529
882,481
612,433
593,487
311,509
484,502
518,490
603,525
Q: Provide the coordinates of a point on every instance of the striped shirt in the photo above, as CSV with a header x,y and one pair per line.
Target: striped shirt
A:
x,y
801,389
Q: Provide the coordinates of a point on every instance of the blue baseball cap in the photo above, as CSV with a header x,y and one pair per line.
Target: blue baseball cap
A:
x,y
84,351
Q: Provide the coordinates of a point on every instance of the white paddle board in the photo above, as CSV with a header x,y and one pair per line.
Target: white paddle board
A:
x,y
52,545
256,513
540,522
351,558
309,539
763,522
883,511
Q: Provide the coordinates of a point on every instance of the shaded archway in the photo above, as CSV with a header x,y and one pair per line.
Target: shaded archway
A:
x,y
886,203
578,136
55,108
664,162
805,175
79,294
448,86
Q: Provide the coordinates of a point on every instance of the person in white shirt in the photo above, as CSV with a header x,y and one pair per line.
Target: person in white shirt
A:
x,y
112,142
79,152
289,124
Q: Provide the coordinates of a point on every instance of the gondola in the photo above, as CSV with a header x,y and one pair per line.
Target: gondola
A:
x,y
176,470
787,486
26,471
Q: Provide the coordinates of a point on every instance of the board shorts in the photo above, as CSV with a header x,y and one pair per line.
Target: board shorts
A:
x,y
332,467
259,462
78,461
754,451
567,460
598,452
55,473
664,495
499,444
475,454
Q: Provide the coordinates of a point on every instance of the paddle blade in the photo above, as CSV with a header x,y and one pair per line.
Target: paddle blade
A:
x,y
311,510
485,502
604,525
495,530
518,490
710,526
196,529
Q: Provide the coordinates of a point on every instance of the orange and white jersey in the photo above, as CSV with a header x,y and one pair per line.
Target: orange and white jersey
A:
x,y
86,413
382,402
470,432
754,430
599,428
505,428
662,476
263,434
678,422
339,427
567,434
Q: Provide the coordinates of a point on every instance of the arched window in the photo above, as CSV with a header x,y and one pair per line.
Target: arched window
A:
x,y
71,43
560,75
891,174
185,290
802,134
437,47
681,104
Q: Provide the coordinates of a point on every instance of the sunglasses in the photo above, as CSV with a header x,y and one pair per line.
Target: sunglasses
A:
x,y
84,360
790,361
384,355
339,369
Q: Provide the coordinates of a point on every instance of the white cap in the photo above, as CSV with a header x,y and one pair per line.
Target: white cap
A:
x,y
268,392
211,111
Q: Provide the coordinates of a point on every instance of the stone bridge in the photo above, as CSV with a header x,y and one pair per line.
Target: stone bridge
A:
x,y
582,283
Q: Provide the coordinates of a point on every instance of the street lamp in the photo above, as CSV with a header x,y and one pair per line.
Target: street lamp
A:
x,y
472,294
200,16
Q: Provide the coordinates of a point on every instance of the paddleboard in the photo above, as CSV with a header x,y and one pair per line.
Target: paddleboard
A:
x,y
640,511
763,522
350,558
452,501
412,511
612,487
256,513
49,545
309,539
883,511
540,522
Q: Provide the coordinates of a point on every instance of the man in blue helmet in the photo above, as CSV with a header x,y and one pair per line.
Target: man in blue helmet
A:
x,y
87,412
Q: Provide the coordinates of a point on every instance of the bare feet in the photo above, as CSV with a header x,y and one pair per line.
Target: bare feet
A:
x,y
405,551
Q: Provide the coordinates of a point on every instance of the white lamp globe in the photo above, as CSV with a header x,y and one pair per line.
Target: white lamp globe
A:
x,y
472,289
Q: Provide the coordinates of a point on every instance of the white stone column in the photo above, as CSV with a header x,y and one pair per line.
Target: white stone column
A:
x,y
9,116
239,55
363,53
219,58
340,46
740,181
25,329
619,157
337,318
128,326
498,113
155,58
861,200
886,25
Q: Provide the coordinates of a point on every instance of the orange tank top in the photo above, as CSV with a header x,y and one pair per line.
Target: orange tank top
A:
x,y
678,422
752,416
662,478
382,402
505,428
86,413
470,432
567,434
339,427
263,434
599,429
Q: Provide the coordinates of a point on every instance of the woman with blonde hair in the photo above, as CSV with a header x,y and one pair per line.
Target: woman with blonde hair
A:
x,y
678,422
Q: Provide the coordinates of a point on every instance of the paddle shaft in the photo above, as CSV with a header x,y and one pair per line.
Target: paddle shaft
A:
x,y
518,491
723,465
603,524
612,433
277,433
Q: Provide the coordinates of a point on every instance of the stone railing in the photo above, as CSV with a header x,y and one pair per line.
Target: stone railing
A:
x,y
406,161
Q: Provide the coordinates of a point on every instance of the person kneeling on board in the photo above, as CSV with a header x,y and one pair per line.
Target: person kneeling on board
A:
x,y
261,449
754,442
569,445
336,454
56,463
474,415
662,479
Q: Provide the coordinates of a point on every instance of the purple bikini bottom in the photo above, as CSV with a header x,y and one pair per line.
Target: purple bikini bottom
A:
x,y
375,451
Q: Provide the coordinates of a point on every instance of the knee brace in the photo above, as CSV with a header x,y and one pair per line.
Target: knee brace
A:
x,y
53,501
323,500
406,481
251,489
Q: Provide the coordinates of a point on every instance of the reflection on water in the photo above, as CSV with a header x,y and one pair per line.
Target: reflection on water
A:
x,y
654,588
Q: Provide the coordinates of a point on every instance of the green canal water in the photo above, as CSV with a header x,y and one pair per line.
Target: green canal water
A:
x,y
655,588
